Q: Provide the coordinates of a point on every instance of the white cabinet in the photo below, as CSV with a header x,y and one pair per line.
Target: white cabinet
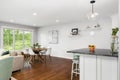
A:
x,y
107,68
87,67
98,67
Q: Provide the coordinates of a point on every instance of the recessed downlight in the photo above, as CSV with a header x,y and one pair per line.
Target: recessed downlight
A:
x,y
92,33
57,20
34,24
11,20
34,14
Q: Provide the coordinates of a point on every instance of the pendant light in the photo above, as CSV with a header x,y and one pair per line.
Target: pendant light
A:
x,y
93,15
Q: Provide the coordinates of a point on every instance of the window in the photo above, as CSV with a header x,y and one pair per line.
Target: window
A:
x,y
14,39
8,39
27,38
18,43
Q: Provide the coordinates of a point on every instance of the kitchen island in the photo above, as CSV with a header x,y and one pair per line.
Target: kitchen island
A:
x,y
98,65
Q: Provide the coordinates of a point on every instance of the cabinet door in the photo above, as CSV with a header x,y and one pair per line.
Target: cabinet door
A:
x,y
88,67
107,68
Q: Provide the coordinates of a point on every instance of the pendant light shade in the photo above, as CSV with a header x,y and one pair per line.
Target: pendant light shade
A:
x,y
92,15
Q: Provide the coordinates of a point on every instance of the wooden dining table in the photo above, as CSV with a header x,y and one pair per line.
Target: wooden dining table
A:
x,y
37,51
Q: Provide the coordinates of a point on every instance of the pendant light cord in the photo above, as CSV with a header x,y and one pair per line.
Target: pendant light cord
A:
x,y
92,8
92,2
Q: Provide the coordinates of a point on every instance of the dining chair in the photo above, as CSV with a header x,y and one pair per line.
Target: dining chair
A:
x,y
75,65
32,55
6,68
26,58
46,53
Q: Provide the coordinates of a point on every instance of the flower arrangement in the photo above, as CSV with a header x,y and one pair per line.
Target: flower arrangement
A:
x,y
114,45
91,48
36,45
114,31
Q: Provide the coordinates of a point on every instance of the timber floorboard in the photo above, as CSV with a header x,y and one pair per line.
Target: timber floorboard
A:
x,y
58,69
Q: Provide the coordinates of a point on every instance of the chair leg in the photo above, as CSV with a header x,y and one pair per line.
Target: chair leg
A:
x,y
33,58
30,59
50,58
76,69
45,58
72,70
40,58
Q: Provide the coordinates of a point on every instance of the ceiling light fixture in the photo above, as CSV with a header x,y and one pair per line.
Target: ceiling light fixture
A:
x,y
93,15
34,24
57,20
34,14
92,33
11,20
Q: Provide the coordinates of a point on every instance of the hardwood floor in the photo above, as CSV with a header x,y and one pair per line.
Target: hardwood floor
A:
x,y
58,69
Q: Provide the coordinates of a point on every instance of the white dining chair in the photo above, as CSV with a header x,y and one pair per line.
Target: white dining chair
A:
x,y
46,53
32,55
26,58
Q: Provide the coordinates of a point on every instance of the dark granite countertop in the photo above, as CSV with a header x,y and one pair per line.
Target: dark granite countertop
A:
x,y
97,52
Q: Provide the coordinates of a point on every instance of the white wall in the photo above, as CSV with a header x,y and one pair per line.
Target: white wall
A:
x,y
101,38
115,20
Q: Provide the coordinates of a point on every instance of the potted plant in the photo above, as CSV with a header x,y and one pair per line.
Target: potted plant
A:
x,y
114,31
36,45
114,43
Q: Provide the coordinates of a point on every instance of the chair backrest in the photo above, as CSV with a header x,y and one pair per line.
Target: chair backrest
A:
x,y
6,68
43,52
48,51
75,57
26,50
31,51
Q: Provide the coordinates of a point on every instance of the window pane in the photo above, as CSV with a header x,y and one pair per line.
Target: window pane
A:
x,y
14,39
18,39
27,38
8,39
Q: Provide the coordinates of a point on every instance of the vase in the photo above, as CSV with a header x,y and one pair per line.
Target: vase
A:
x,y
91,48
114,44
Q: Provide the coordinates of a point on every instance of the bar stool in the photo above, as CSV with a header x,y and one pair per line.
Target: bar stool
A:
x,y
75,66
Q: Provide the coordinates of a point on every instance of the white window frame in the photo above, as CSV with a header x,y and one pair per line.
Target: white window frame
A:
x,y
22,29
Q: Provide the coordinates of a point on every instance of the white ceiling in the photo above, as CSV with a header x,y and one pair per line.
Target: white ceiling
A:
x,y
48,11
